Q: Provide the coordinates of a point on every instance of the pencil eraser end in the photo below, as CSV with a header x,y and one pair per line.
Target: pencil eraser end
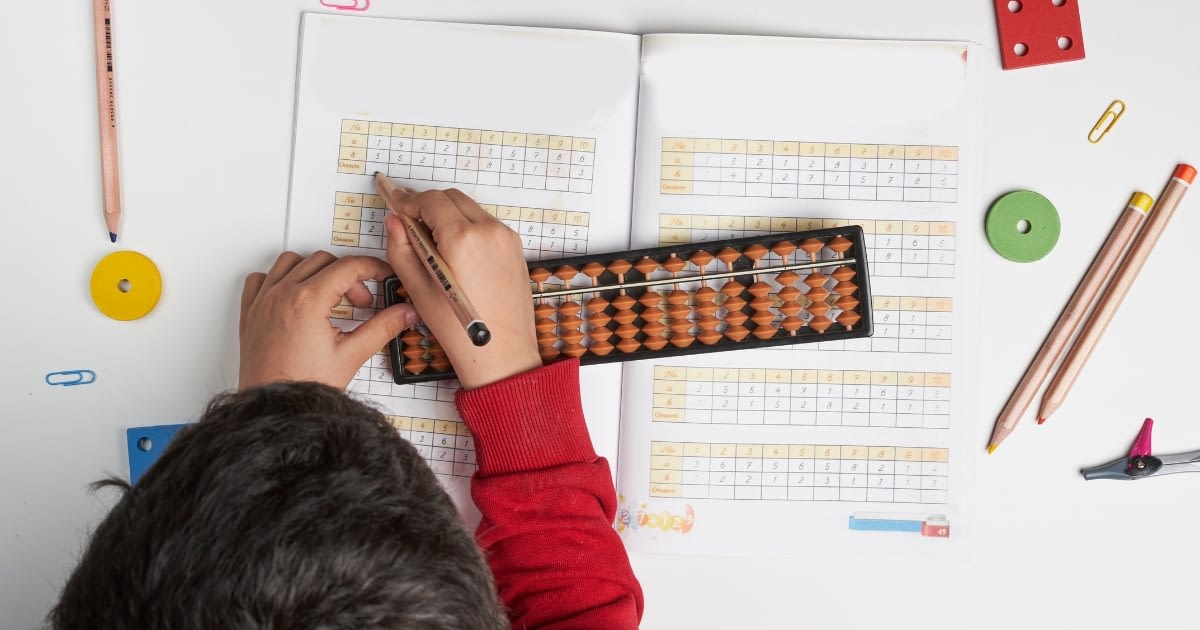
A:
x,y
1141,201
479,333
1186,172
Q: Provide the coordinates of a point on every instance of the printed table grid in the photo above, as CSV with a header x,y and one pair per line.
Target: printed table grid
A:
x,y
895,248
446,445
467,156
808,170
801,397
799,472
358,222
910,324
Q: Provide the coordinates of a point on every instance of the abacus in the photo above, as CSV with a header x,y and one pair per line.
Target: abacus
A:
x,y
788,288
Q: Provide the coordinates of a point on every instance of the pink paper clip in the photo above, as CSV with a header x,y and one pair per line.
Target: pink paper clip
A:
x,y
347,5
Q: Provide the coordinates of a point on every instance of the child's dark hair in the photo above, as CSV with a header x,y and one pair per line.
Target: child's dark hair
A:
x,y
286,506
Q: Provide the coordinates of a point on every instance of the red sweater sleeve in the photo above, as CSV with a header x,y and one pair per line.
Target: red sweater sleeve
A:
x,y
548,505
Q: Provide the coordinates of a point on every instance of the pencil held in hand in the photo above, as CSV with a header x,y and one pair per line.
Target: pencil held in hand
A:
x,y
1071,319
1111,299
422,241
106,99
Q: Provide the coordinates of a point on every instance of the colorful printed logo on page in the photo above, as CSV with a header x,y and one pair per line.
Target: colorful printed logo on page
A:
x,y
633,517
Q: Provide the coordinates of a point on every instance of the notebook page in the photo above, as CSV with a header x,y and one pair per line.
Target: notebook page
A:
x,y
832,446
536,125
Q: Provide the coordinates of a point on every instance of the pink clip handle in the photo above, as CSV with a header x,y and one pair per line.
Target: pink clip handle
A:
x,y
1141,445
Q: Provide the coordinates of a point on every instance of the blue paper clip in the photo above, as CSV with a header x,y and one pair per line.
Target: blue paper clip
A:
x,y
67,378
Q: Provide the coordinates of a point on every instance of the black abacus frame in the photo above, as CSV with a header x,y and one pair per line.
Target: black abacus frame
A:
x,y
836,331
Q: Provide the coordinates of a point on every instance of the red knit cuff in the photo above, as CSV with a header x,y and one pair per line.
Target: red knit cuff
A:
x,y
530,421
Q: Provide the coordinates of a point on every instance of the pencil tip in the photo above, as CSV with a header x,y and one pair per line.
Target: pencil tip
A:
x,y
112,236
992,448
1041,420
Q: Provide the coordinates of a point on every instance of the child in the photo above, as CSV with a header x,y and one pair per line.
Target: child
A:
x,y
291,505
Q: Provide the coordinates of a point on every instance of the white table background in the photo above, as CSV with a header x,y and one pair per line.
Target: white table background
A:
x,y
205,100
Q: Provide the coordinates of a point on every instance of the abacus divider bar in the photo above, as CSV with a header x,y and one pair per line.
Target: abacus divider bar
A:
x,y
707,276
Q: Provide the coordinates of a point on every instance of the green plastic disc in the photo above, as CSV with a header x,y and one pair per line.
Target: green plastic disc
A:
x,y
1023,226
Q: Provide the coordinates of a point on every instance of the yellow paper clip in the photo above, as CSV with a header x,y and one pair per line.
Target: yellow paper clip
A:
x,y
1107,120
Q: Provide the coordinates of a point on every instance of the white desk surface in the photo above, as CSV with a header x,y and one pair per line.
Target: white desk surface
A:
x,y
205,92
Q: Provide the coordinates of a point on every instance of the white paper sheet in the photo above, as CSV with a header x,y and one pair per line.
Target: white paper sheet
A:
x,y
535,124
733,133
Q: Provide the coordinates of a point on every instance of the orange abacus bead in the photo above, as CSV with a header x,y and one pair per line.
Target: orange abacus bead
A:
x,y
783,249
820,323
790,308
812,246
729,255
593,271
620,266
845,288
709,337
655,343
600,348
759,289
787,278
843,273
569,308
848,319
756,251
791,324
737,333
733,287
416,366
565,273
599,320
650,299
847,302
646,265
839,245
628,344
789,294
674,264
540,276
815,279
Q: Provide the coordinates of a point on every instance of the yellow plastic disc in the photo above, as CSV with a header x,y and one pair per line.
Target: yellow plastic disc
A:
x,y
126,285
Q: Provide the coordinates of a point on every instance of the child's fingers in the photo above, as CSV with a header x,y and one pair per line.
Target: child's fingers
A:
x,y
282,266
377,331
250,289
310,266
467,206
345,276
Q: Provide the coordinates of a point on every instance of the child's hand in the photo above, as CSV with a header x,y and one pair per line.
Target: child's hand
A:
x,y
486,258
285,330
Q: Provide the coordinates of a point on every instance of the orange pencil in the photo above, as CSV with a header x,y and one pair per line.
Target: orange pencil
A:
x,y
106,99
1069,322
1110,301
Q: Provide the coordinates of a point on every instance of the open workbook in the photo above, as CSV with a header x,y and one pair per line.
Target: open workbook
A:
x,y
590,142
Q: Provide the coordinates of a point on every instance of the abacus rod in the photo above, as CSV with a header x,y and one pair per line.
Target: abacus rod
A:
x,y
707,276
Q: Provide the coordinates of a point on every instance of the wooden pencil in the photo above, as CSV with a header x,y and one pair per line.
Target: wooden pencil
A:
x,y
106,100
441,273
1111,299
1071,319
